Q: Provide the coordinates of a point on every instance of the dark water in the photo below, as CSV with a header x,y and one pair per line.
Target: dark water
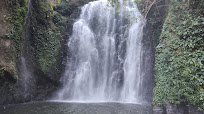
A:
x,y
75,108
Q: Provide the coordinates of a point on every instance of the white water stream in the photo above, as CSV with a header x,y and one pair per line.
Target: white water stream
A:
x,y
104,55
27,78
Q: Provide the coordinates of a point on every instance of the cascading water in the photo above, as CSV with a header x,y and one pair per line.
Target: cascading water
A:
x,y
104,55
26,75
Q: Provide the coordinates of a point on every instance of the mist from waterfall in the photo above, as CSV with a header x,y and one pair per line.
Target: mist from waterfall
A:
x,y
104,55
26,75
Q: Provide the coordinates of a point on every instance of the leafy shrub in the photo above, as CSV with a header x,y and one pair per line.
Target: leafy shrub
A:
x,y
180,56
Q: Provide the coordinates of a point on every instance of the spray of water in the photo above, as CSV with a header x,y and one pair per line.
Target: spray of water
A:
x,y
104,55
27,78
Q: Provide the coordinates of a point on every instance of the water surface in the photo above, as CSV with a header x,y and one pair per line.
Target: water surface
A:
x,y
75,108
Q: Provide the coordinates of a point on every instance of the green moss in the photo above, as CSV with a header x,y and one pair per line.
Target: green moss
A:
x,y
66,8
47,50
2,70
15,18
45,37
57,19
47,29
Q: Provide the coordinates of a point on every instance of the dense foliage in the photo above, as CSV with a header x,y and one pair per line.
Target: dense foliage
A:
x,y
45,38
38,36
46,30
16,18
180,55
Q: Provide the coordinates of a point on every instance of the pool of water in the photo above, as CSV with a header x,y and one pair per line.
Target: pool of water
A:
x,y
75,108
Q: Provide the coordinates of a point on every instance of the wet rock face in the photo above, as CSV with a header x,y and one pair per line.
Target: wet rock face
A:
x,y
192,109
6,45
158,109
4,26
176,109
171,109
147,64
7,68
5,49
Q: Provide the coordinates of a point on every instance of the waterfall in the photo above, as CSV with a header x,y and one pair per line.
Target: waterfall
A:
x,y
104,55
25,72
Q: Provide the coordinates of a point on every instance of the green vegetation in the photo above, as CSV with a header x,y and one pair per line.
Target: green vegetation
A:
x,y
180,55
16,18
2,70
45,36
40,40
66,8
179,51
